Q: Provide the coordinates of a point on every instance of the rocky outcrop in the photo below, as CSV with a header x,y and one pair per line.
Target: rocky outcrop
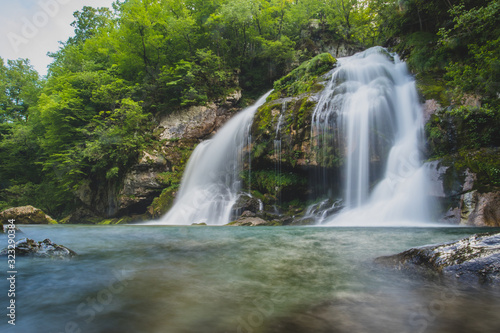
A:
x,y
249,222
26,215
141,184
158,167
459,198
28,247
475,259
429,108
282,153
178,133
197,122
480,209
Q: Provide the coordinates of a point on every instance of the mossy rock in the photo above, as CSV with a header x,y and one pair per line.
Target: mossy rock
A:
x,y
27,215
163,203
462,128
303,78
431,85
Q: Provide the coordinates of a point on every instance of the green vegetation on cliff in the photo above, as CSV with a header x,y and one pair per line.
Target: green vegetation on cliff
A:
x,y
94,114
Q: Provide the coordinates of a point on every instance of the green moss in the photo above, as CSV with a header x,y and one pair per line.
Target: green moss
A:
x,y
431,85
303,78
106,222
162,203
269,181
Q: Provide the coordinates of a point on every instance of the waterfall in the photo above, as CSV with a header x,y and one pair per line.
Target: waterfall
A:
x,y
369,115
212,181
277,155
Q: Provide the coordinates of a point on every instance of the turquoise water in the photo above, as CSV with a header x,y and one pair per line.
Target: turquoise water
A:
x,y
237,279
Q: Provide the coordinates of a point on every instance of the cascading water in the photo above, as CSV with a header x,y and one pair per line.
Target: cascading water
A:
x,y
211,183
277,154
369,114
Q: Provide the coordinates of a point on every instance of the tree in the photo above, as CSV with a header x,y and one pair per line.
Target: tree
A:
x,y
19,88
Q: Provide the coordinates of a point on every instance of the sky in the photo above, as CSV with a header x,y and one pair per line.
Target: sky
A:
x,y
31,28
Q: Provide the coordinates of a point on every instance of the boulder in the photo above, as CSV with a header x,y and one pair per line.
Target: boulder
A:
x,y
481,209
26,215
249,222
28,247
475,260
246,203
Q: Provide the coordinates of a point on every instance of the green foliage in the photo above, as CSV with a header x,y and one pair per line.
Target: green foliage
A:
x,y
269,181
475,33
196,82
115,139
432,85
462,128
303,78
19,89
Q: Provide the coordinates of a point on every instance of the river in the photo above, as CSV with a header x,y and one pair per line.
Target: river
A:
x,y
238,279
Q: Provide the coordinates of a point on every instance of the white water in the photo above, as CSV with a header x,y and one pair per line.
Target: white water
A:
x,y
211,182
277,154
370,110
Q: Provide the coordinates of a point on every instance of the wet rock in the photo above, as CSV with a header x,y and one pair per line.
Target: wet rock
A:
x,y
429,108
458,197
246,203
248,213
249,222
141,184
199,224
26,215
475,259
481,209
29,247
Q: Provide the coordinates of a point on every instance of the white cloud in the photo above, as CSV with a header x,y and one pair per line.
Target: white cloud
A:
x,y
31,28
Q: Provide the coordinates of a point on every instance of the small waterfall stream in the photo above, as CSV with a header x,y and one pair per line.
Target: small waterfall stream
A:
x,y
371,114
277,155
211,183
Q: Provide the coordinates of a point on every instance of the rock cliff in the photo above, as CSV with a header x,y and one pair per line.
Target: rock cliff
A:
x,y
149,186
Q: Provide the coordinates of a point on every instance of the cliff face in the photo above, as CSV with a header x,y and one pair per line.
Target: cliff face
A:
x,y
462,149
465,171
158,171
282,154
460,198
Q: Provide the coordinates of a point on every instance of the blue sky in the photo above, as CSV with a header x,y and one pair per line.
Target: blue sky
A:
x,y
31,28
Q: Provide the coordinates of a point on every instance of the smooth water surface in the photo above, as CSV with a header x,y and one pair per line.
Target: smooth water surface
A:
x,y
237,279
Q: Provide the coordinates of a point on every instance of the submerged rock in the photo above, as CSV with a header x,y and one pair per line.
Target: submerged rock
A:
x,y
475,259
26,215
29,247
